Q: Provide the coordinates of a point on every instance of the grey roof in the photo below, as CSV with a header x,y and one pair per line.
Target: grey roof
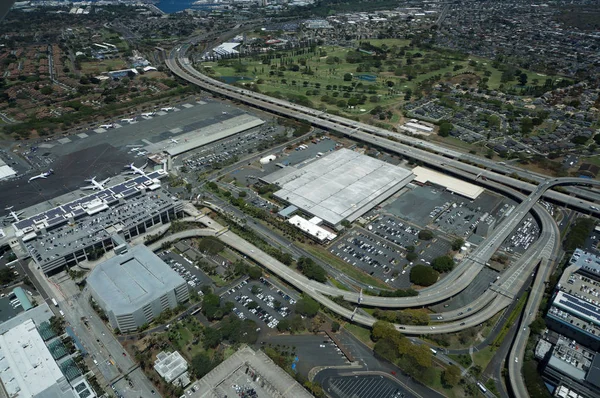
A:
x,y
593,375
130,280
341,185
281,383
214,132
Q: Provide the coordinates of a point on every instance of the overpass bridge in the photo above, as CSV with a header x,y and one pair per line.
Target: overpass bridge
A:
x,y
427,152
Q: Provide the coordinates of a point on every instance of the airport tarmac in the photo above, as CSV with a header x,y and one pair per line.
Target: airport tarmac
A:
x,y
104,152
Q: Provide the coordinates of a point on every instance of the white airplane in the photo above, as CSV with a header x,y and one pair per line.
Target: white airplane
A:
x,y
167,109
174,141
14,215
138,151
43,175
107,126
137,170
148,114
99,185
130,120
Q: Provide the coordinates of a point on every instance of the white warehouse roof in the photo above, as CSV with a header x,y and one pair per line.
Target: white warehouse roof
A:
x,y
343,185
27,369
424,175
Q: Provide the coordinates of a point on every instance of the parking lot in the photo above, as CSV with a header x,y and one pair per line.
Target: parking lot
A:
x,y
375,256
230,149
260,301
395,231
188,271
460,218
429,205
311,350
368,386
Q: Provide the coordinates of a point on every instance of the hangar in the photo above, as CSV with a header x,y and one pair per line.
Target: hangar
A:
x,y
214,132
342,185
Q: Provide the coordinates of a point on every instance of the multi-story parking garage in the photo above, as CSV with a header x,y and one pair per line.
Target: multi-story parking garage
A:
x,y
135,286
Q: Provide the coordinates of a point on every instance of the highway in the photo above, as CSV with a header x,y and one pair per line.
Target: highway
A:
x,y
515,360
496,298
429,153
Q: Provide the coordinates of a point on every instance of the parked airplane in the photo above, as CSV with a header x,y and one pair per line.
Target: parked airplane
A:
x,y
14,215
167,109
43,175
148,114
138,151
99,185
137,170
174,141
130,120
107,126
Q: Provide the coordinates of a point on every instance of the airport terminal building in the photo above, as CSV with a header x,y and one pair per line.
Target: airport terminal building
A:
x,y
135,286
81,230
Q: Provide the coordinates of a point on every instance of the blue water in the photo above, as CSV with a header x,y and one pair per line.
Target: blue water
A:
x,y
171,6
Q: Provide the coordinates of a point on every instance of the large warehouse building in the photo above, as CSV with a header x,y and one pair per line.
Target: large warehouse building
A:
x,y
343,185
214,132
135,286
460,187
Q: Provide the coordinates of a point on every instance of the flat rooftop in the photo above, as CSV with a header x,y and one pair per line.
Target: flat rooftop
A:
x,y
342,185
576,312
27,368
588,262
571,358
466,189
170,365
212,133
69,236
88,204
264,376
128,281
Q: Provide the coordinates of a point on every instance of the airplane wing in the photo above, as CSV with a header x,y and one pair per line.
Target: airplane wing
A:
x,y
88,187
104,181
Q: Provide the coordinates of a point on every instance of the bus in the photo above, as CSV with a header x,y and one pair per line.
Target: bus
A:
x,y
197,310
54,302
481,387
434,352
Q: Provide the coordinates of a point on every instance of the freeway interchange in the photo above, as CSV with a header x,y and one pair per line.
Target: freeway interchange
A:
x,y
500,177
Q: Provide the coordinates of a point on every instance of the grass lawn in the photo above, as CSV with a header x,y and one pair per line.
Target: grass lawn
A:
x,y
464,360
456,392
102,66
337,284
220,282
484,356
308,79
362,333
343,266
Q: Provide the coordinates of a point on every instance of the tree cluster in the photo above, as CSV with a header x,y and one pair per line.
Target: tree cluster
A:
x,y
423,275
443,264
312,270
414,359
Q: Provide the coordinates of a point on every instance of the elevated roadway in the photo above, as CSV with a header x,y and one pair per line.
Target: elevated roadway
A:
x,y
427,152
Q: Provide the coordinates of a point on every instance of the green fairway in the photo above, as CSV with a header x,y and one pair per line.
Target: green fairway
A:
x,y
353,81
